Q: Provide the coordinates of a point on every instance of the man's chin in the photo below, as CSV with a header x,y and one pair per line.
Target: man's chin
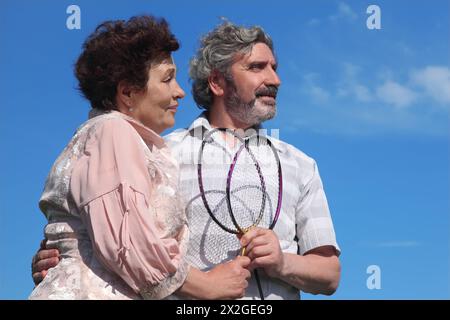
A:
x,y
266,111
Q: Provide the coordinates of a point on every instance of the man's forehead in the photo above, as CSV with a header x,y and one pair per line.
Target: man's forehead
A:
x,y
259,53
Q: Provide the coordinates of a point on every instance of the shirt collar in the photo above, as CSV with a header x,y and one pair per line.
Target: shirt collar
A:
x,y
201,125
146,133
202,122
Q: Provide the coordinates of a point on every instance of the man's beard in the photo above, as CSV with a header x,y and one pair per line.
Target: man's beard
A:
x,y
253,112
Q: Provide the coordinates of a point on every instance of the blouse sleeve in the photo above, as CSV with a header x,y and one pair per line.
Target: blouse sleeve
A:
x,y
111,187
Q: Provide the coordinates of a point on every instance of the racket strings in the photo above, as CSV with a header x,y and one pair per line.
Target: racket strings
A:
x,y
248,168
216,155
270,166
257,163
246,191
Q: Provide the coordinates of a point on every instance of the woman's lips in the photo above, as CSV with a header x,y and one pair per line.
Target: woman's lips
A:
x,y
173,108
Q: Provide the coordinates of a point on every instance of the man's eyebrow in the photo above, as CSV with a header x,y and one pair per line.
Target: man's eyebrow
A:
x,y
262,63
258,61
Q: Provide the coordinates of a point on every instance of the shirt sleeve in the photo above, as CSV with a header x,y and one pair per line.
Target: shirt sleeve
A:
x,y
313,220
111,187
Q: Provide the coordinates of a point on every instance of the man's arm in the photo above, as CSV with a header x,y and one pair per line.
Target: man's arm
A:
x,y
316,272
225,281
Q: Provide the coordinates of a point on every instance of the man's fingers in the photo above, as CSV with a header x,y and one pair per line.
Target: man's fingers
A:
x,y
243,261
260,251
257,241
45,264
39,276
261,262
46,254
43,244
250,234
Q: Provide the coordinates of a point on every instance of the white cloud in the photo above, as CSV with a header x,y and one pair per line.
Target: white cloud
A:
x,y
350,86
313,22
435,80
396,94
345,12
398,244
391,244
405,49
362,93
318,94
354,102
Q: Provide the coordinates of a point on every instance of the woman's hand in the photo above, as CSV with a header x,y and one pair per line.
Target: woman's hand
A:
x,y
225,281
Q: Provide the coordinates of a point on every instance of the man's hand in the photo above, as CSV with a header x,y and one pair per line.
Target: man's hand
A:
x,y
263,248
43,260
317,271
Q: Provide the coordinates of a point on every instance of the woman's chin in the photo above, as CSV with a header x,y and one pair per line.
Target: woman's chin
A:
x,y
169,124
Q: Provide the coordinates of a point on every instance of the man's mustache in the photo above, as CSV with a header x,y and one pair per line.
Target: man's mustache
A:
x,y
270,91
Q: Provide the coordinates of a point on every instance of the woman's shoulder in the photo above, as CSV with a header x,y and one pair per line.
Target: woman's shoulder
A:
x,y
108,125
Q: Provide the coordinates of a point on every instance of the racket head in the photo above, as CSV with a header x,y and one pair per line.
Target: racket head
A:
x,y
255,175
215,155
245,189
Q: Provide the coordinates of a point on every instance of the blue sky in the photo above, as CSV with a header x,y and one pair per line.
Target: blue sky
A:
x,y
371,106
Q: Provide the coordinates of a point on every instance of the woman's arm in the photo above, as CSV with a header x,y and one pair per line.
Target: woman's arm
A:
x,y
111,188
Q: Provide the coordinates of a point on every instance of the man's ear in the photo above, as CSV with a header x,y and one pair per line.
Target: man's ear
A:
x,y
216,83
124,96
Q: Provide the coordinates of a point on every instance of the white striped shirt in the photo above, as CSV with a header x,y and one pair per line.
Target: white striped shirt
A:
x,y
304,222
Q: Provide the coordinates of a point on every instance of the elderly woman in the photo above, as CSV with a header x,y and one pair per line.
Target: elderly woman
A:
x,y
111,199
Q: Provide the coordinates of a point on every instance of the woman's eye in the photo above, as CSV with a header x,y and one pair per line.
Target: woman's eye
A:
x,y
168,79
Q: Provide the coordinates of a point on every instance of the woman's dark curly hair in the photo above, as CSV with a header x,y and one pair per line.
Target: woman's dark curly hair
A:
x,y
121,51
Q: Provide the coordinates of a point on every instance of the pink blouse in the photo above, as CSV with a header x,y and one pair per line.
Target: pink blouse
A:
x,y
115,214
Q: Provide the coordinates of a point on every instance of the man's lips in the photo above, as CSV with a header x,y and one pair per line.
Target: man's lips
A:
x,y
268,97
173,108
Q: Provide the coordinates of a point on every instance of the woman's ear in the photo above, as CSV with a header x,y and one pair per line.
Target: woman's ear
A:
x,y
216,83
124,96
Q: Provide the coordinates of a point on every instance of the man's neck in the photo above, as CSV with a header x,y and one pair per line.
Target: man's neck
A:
x,y
218,117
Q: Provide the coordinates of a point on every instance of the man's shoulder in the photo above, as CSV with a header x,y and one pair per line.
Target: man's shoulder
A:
x,y
290,151
175,137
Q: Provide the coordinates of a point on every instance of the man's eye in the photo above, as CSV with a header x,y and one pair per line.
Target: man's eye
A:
x,y
255,67
168,79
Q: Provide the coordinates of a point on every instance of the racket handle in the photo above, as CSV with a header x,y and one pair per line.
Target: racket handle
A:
x,y
258,282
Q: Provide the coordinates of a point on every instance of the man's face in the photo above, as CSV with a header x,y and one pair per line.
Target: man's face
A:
x,y
250,96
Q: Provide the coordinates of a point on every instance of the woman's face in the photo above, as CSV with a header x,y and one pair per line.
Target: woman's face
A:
x,y
156,106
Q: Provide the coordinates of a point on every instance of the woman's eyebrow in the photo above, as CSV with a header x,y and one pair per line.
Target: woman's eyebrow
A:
x,y
170,71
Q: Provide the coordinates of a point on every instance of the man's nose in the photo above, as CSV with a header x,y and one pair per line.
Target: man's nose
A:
x,y
273,78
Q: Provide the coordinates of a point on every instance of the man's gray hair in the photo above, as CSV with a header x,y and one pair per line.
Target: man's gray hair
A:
x,y
217,52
